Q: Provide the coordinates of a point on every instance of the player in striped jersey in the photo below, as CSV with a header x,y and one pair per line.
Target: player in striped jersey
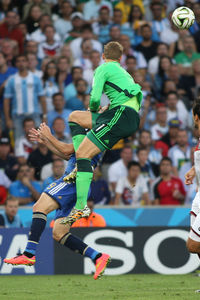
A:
x,y
193,242
59,196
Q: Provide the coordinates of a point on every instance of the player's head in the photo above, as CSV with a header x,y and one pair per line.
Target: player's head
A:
x,y
113,51
196,112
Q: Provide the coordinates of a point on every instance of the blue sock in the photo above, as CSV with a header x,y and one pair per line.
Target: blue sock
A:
x,y
75,244
37,227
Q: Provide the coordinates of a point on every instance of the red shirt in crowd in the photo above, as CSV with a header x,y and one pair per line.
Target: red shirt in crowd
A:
x,y
14,34
163,190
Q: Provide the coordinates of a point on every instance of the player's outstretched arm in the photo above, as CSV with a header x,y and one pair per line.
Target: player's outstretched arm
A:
x,y
35,136
190,175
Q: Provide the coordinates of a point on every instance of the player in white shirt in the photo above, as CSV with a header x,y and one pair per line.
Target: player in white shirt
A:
x,y
193,242
132,189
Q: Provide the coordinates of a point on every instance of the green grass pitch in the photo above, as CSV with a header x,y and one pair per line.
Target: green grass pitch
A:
x,y
82,287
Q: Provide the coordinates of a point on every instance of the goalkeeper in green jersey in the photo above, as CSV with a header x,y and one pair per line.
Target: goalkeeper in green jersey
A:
x,y
119,121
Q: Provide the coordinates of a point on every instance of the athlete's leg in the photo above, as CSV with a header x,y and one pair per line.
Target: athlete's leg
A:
x,y
78,121
41,208
62,236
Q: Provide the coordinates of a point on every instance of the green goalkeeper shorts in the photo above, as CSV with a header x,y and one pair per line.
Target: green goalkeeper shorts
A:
x,y
113,125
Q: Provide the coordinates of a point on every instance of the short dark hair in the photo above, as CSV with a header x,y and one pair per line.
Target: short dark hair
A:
x,y
57,94
86,27
27,119
145,131
141,149
172,93
196,107
81,79
146,25
44,15
126,147
20,55
10,198
166,158
130,57
49,25
75,68
113,50
58,118
133,164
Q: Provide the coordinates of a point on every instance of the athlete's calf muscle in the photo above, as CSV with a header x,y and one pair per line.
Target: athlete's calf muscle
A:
x,y
59,230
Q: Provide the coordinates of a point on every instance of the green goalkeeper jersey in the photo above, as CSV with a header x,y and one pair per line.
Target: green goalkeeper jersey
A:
x,y
110,78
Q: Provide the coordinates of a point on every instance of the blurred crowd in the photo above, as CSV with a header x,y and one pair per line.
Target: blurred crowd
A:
x,y
49,51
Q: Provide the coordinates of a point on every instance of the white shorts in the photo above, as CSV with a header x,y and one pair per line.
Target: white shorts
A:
x,y
195,219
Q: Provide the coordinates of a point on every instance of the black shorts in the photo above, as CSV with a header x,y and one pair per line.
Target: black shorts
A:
x,y
112,125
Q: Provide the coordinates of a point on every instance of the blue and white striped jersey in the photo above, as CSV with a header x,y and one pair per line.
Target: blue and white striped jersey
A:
x,y
24,93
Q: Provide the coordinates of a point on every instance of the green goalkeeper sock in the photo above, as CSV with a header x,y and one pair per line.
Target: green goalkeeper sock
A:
x,y
83,181
78,134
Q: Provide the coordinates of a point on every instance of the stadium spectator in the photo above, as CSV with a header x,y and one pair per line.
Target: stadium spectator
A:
x,y
145,142
31,47
87,33
141,62
167,189
160,127
58,168
50,47
131,65
26,190
8,48
7,161
126,5
170,35
4,185
77,102
23,92
77,22
99,188
84,61
9,30
148,169
9,217
114,33
132,189
59,111
5,72
94,219
32,20
147,47
173,111
136,17
117,17
92,7
196,26
185,58
58,129
23,146
162,75
5,6
153,64
169,139
180,153
63,25
70,90
38,35
64,72
32,65
119,168
38,158
50,83
158,23
95,59
43,6
102,26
